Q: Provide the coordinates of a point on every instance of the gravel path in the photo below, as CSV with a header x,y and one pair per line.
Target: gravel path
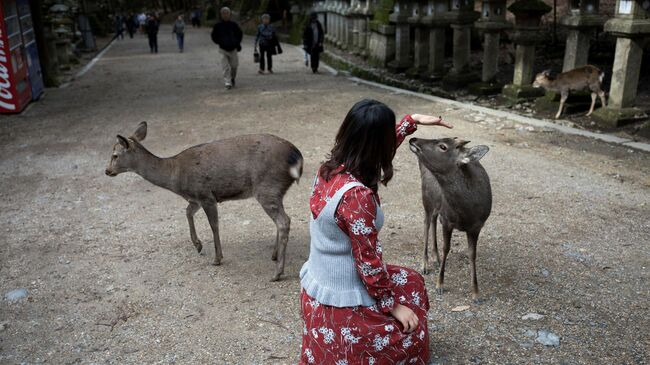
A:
x,y
112,277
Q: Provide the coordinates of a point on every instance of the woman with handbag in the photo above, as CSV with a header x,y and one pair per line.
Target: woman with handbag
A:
x,y
267,42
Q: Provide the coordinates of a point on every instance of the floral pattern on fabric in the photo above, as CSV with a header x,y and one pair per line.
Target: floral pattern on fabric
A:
x,y
365,335
362,335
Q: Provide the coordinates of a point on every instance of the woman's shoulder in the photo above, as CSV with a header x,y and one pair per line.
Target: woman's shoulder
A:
x,y
339,180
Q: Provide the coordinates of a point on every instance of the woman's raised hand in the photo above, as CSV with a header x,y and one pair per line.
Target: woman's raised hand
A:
x,y
430,120
406,317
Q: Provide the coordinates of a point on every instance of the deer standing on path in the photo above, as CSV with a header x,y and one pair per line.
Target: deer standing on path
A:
x,y
259,165
456,183
586,77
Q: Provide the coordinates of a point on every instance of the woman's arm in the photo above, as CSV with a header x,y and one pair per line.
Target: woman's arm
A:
x,y
408,125
356,216
405,127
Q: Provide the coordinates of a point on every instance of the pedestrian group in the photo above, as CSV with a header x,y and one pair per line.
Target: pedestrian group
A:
x,y
227,35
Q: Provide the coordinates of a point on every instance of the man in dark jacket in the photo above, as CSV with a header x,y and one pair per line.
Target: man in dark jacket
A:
x,y
312,39
151,28
227,35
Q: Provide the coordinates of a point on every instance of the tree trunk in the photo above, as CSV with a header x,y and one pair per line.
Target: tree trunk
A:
x,y
48,66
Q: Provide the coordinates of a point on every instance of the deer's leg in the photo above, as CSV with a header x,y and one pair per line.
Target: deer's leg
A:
x,y
472,240
434,236
563,97
425,253
593,103
275,209
192,208
446,246
211,211
601,94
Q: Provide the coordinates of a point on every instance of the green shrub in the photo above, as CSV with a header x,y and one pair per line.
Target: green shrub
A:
x,y
211,14
383,10
297,27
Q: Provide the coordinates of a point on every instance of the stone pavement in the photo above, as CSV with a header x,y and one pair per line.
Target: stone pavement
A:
x,y
112,277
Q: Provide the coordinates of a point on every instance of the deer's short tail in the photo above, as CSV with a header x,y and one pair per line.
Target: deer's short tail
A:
x,y
295,163
601,76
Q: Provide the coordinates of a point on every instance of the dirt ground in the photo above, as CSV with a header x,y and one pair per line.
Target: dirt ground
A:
x,y
112,276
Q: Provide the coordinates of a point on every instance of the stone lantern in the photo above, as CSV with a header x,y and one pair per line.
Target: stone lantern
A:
x,y
582,19
420,46
329,20
631,26
400,17
436,19
348,23
492,23
365,13
528,16
462,17
341,23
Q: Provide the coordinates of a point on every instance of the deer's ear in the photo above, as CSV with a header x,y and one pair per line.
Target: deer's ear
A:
x,y
474,154
141,132
460,142
123,141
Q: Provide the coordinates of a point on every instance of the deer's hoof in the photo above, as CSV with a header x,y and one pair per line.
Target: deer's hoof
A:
x,y
276,277
274,257
478,301
199,246
439,291
425,269
216,262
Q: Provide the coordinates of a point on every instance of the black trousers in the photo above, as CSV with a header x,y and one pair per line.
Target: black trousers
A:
x,y
266,50
153,43
315,59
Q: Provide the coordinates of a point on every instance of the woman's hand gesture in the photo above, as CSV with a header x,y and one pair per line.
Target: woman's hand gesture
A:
x,y
430,120
406,317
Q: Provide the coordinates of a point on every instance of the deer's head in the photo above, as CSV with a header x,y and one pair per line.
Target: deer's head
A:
x,y
446,154
124,155
542,79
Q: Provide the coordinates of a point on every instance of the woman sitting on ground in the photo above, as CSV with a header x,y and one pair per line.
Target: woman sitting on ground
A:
x,y
356,309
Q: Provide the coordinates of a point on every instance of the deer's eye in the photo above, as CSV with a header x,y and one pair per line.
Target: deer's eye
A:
x,y
443,147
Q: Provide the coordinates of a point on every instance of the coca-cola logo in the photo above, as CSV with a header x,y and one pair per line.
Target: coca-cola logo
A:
x,y
6,97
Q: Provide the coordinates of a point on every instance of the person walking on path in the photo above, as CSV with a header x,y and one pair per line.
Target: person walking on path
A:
x,y
228,36
179,30
119,26
313,41
357,309
142,22
268,43
131,24
152,26
196,18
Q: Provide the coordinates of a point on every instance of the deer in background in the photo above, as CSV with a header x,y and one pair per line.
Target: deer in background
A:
x,y
454,181
581,78
260,165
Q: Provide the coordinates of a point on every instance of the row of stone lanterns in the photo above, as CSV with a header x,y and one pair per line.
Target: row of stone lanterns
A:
x,y
347,27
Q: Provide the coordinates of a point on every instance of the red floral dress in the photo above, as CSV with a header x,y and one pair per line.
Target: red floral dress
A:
x,y
365,335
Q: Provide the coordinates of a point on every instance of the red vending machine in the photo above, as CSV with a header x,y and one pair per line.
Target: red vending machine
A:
x,y
15,89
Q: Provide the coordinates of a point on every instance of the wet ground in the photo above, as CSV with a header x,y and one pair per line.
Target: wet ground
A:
x,y
112,277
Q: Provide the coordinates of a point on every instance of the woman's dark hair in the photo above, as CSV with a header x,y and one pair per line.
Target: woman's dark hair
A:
x,y
365,144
